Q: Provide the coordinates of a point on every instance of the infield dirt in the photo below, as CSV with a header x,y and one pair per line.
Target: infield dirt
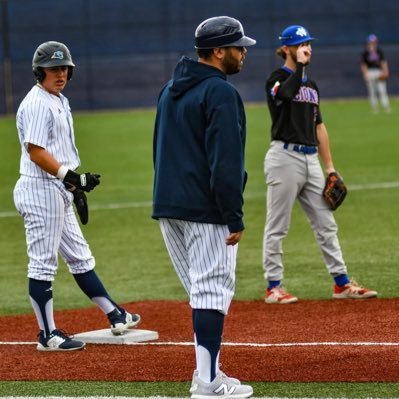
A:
x,y
325,341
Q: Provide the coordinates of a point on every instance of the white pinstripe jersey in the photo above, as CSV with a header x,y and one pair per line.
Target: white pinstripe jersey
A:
x,y
45,120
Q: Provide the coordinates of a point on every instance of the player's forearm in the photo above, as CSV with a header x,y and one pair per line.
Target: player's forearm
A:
x,y
364,70
324,148
43,159
384,68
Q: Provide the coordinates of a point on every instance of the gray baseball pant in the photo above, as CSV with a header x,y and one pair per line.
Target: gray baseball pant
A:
x,y
289,176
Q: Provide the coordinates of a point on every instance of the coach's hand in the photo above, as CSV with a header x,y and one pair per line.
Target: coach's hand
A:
x,y
85,181
234,238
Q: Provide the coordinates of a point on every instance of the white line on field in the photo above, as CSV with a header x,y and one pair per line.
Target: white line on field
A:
x,y
249,195
156,397
145,397
243,344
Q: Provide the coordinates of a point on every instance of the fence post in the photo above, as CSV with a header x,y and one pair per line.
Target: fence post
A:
x,y
8,93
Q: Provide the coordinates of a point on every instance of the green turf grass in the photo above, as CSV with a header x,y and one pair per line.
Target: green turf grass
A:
x,y
130,254
163,389
128,245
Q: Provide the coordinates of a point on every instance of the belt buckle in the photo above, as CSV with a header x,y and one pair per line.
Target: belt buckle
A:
x,y
300,148
305,149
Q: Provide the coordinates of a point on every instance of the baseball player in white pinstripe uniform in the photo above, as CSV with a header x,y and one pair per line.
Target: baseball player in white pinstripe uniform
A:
x,y
199,143
44,194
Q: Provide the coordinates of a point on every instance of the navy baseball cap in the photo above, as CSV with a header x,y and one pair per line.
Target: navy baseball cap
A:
x,y
221,31
294,34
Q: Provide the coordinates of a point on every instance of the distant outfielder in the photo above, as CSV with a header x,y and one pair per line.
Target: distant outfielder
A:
x,y
44,194
374,67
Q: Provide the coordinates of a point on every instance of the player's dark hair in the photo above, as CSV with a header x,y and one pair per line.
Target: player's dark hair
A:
x,y
281,53
204,53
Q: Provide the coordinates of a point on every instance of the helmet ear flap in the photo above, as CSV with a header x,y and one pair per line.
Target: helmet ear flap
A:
x,y
39,74
70,71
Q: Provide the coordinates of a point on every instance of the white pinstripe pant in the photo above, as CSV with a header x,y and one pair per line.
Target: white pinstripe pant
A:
x,y
51,227
203,262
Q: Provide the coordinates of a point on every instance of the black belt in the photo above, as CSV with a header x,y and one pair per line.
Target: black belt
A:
x,y
304,149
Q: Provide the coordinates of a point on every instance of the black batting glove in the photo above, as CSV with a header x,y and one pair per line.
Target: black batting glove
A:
x,y
85,181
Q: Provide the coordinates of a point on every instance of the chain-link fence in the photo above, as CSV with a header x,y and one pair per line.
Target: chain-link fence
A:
x,y
125,50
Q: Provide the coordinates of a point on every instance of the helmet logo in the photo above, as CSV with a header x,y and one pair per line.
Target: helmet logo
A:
x,y
59,55
301,32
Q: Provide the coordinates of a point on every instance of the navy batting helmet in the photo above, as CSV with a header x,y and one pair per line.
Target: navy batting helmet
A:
x,y
221,32
51,54
293,35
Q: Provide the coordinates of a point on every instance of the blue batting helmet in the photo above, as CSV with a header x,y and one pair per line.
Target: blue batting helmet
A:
x,y
293,35
372,38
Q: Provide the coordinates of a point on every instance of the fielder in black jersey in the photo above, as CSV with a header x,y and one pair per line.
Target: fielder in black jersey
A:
x,y
293,170
293,121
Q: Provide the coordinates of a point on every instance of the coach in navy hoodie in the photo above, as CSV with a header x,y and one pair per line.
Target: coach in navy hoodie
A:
x,y
199,144
199,148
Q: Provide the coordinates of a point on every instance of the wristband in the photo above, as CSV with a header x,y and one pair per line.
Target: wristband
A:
x,y
62,171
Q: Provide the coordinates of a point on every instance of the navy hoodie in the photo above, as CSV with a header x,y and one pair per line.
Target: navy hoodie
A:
x,y
199,143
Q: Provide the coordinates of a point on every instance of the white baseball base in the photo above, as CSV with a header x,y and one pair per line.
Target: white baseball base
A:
x,y
106,337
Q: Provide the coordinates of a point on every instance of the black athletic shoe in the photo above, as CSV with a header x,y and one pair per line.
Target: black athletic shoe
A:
x,y
121,321
58,340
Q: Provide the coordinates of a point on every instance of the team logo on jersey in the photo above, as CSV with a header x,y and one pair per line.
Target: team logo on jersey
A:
x,y
307,95
59,55
301,32
274,89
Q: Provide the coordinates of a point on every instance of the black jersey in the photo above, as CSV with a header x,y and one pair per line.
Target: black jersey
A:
x,y
294,106
373,58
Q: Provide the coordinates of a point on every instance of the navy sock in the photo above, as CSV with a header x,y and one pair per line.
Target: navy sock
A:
x,y
208,329
341,280
41,292
273,284
92,286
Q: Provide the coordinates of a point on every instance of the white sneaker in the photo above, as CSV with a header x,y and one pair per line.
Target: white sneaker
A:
x,y
221,387
234,380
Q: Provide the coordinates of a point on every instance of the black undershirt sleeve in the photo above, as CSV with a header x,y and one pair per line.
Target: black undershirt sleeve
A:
x,y
290,87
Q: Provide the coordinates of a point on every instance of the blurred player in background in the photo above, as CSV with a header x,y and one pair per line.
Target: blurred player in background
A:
x,y
293,170
199,143
44,194
374,67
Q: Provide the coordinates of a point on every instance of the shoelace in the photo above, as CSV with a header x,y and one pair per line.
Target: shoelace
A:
x,y
354,286
63,334
280,291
